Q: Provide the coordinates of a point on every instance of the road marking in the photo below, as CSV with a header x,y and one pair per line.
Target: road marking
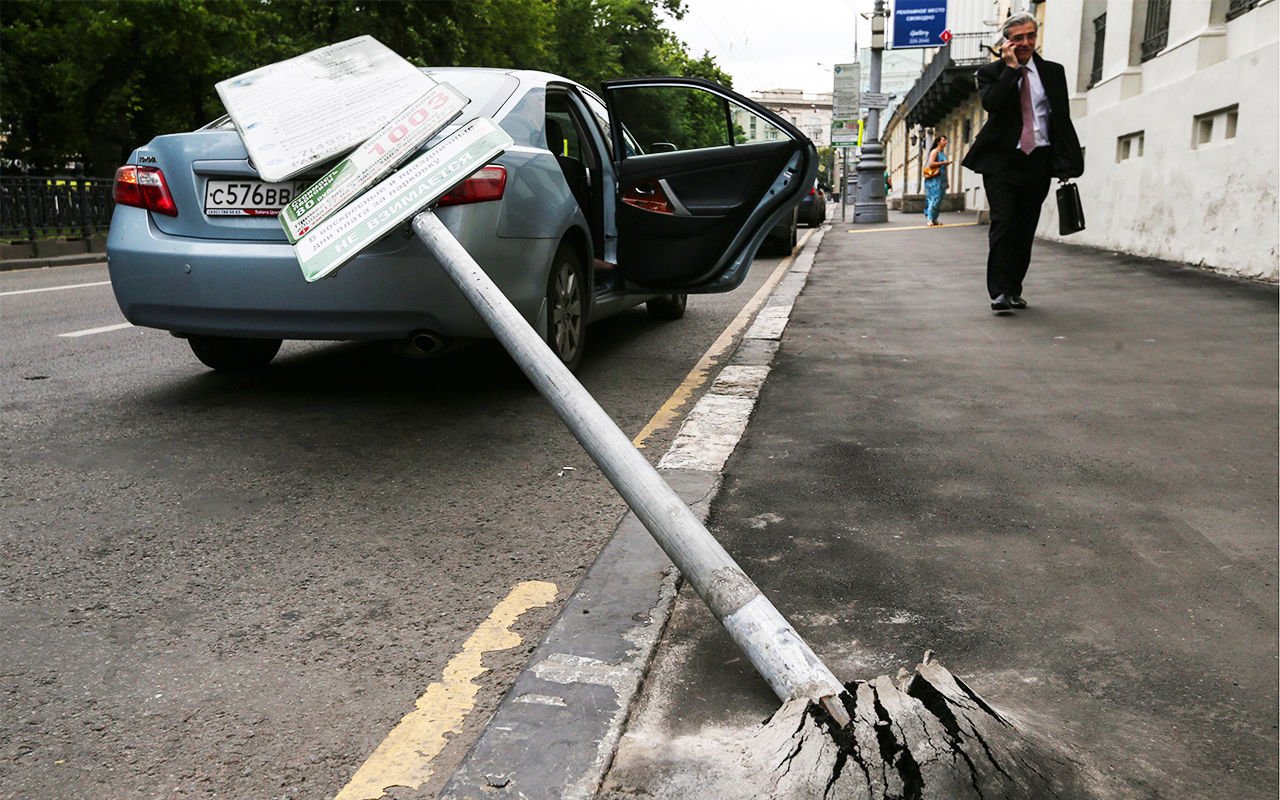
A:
x,y
55,288
917,227
94,330
697,376
405,757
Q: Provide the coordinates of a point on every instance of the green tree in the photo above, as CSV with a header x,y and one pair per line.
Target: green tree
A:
x,y
89,80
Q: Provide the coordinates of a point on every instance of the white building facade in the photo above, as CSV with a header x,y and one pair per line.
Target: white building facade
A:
x,y
1177,107
811,113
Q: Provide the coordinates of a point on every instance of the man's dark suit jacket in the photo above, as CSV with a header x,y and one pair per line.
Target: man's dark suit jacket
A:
x,y
997,142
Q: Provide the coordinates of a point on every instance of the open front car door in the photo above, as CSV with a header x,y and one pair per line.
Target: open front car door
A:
x,y
703,174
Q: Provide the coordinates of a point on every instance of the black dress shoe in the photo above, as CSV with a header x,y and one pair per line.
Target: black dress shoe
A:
x,y
1016,301
1001,303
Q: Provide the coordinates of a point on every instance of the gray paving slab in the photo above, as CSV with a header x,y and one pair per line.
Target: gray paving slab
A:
x,y
1074,505
555,732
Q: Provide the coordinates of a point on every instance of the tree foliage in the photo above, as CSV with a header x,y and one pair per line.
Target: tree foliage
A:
x,y
89,80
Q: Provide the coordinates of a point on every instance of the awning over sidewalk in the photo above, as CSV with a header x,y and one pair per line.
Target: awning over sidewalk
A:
x,y
948,80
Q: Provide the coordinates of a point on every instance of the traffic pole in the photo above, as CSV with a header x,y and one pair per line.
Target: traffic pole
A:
x,y
777,652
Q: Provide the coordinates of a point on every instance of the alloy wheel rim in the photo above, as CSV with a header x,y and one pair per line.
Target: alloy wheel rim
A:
x,y
566,312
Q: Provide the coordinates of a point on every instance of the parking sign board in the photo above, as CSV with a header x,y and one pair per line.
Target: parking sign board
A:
x,y
847,83
297,113
395,142
336,240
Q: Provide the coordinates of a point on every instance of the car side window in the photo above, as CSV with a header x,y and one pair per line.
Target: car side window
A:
x,y
600,113
750,127
675,118
566,135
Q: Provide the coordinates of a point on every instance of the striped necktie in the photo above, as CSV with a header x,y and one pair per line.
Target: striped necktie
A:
x,y
1027,141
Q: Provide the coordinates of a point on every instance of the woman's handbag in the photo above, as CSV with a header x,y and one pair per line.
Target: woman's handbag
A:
x,y
932,172
1070,212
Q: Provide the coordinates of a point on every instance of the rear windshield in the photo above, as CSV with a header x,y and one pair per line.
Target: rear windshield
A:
x,y
488,89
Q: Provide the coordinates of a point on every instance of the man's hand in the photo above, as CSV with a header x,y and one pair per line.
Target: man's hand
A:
x,y
1008,55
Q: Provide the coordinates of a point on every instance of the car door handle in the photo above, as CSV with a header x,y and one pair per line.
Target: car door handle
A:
x,y
656,196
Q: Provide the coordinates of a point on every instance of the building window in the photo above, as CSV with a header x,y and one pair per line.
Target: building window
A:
x,y
1214,127
1099,41
1130,146
1238,7
1156,35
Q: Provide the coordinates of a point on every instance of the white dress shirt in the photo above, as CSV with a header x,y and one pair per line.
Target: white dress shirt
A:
x,y
1039,103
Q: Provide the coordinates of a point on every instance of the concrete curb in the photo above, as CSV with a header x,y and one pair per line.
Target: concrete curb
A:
x,y
75,260
556,731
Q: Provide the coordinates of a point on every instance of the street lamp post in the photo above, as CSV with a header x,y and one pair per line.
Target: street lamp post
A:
x,y
870,205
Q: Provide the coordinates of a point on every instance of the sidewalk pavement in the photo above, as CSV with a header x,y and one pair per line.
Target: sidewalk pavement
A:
x,y
1074,506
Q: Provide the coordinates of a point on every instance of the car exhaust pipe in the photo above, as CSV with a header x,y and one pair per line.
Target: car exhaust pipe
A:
x,y
421,344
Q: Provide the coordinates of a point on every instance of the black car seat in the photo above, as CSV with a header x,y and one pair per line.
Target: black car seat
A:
x,y
575,172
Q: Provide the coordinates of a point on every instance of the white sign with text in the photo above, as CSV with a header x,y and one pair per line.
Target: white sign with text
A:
x,y
338,239
297,113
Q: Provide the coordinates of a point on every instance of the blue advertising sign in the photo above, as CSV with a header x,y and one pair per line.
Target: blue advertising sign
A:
x,y
919,23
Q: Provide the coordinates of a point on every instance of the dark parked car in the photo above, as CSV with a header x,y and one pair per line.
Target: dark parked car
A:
x,y
645,196
782,236
813,207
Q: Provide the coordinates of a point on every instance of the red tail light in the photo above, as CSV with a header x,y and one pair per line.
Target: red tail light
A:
x,y
488,184
144,187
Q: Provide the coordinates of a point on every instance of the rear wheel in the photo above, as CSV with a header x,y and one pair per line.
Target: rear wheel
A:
x,y
567,307
233,354
668,306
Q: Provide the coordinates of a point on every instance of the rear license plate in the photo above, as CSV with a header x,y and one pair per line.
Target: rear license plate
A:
x,y
248,198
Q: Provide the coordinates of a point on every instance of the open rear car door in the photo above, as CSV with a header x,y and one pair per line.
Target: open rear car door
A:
x,y
703,174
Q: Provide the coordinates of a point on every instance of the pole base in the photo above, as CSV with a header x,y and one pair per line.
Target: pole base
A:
x,y
871,213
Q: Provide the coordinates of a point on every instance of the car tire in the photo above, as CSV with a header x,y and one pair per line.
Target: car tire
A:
x,y
668,306
567,300
779,246
233,354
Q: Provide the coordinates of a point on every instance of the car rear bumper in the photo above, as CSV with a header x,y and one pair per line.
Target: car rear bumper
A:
x,y
256,289
812,213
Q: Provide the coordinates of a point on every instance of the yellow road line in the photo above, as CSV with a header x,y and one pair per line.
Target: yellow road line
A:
x,y
697,376
405,757
916,227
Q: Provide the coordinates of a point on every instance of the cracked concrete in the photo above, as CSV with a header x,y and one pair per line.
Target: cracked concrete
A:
x,y
926,737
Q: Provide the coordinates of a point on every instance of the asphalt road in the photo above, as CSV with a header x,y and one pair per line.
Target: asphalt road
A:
x,y
235,586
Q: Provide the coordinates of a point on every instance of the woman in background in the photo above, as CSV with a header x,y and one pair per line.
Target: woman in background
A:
x,y
935,180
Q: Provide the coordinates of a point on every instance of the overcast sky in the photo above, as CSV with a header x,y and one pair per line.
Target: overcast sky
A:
x,y
772,44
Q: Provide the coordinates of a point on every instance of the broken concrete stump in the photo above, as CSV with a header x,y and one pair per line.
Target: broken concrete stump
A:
x,y
927,737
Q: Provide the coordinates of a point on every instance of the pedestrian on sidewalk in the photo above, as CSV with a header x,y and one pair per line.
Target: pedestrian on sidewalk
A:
x,y
1028,138
935,180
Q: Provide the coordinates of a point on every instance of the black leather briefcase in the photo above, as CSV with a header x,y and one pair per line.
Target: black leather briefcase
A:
x,y
1070,212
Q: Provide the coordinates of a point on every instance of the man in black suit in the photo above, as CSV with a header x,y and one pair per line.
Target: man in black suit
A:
x,y
1028,138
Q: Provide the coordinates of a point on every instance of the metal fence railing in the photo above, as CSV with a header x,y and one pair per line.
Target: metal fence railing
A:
x,y
34,207
971,49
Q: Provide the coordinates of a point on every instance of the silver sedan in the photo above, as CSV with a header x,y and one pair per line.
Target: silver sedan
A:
x,y
597,207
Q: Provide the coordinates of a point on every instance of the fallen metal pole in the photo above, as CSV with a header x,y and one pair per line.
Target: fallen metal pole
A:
x,y
774,648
